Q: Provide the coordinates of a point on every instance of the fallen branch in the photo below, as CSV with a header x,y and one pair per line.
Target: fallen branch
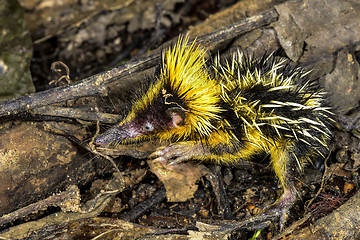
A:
x,y
97,85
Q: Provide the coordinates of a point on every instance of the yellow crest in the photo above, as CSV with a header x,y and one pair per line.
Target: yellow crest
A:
x,y
185,72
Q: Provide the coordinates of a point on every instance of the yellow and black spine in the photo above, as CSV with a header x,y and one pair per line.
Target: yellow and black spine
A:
x,y
229,110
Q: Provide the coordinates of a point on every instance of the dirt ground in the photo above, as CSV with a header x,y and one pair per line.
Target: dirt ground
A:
x,y
84,59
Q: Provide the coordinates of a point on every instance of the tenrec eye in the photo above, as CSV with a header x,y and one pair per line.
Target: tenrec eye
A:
x,y
148,127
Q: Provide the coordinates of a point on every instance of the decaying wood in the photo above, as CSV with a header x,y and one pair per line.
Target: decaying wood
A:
x,y
72,209
36,163
144,206
217,184
61,200
75,213
96,85
76,113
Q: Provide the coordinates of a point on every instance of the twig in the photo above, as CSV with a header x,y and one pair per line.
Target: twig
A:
x,y
323,181
245,25
77,113
93,150
56,67
223,204
60,199
144,206
254,223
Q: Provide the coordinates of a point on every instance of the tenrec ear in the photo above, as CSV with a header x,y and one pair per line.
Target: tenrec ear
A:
x,y
177,115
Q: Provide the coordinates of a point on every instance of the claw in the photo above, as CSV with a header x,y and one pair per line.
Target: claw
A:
x,y
159,159
157,153
167,152
282,206
178,160
174,162
282,213
176,153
